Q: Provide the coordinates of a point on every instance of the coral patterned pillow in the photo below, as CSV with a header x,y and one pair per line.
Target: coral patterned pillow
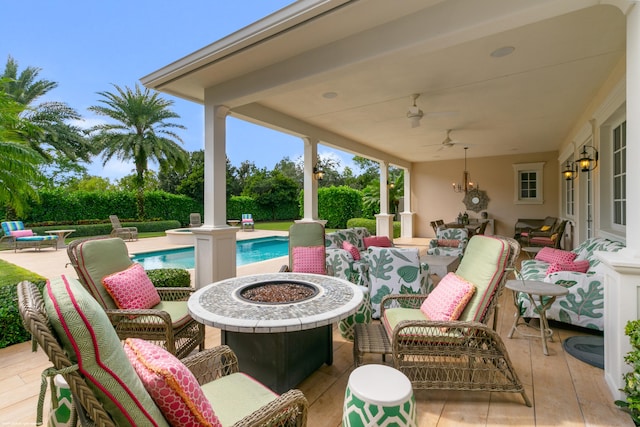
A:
x,y
378,241
448,299
552,255
309,259
581,266
355,253
449,243
132,288
22,233
171,385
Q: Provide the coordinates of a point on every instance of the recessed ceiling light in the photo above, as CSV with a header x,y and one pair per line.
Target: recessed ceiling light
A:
x,y
503,51
329,95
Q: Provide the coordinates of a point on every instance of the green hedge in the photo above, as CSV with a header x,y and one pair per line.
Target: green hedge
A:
x,y
336,205
238,205
104,229
370,224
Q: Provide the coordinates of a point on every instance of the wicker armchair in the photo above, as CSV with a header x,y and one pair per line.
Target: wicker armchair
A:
x,y
466,354
289,409
168,324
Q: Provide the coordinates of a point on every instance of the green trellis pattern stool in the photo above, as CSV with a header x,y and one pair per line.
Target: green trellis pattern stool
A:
x,y
62,415
379,395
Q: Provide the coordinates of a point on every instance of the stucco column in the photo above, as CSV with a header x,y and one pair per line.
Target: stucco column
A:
x,y
310,182
622,280
384,221
215,241
406,216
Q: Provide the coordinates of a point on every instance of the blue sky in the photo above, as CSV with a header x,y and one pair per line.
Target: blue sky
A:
x,y
86,46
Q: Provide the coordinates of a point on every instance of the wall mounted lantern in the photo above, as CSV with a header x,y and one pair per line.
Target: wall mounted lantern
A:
x,y
570,171
588,163
318,173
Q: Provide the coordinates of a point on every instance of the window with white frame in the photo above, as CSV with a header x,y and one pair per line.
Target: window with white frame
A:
x,y
528,183
619,156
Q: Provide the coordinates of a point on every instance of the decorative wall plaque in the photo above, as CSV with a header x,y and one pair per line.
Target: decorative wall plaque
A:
x,y
476,200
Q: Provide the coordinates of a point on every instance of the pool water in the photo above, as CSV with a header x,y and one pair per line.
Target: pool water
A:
x,y
247,252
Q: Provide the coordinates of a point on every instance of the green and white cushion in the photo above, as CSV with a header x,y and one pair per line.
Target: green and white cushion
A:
x,y
395,271
88,337
584,305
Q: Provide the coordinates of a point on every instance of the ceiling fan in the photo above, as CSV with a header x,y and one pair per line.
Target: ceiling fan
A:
x,y
415,113
448,142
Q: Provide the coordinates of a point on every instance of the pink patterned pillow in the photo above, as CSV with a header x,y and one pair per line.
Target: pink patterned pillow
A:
x,y
22,233
309,259
581,266
355,253
131,288
171,385
378,241
448,299
449,243
552,255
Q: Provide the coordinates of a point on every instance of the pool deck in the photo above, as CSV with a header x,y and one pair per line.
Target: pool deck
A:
x,y
51,263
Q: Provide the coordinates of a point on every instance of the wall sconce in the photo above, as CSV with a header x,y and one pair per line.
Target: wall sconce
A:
x,y
570,171
391,184
318,173
586,163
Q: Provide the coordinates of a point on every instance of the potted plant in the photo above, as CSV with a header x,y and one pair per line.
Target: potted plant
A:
x,y
632,378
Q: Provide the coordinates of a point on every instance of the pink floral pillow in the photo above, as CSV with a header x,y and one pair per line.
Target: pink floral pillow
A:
x,y
22,233
552,255
309,259
581,266
171,385
355,253
449,243
132,288
448,299
378,241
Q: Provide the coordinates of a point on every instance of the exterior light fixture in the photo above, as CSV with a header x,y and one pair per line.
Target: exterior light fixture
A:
x,y
391,184
588,163
570,172
466,185
318,173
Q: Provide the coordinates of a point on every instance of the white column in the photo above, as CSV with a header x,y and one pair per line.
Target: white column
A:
x,y
384,221
406,216
622,281
310,183
215,241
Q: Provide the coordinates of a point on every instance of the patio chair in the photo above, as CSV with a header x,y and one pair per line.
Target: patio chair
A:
x,y
481,228
449,242
247,222
106,387
129,233
551,238
195,220
456,353
167,323
544,230
17,237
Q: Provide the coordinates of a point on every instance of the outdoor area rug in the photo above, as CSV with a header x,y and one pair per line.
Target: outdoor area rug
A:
x,y
588,348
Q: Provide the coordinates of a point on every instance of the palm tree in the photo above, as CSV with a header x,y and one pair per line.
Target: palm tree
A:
x,y
19,173
141,132
50,117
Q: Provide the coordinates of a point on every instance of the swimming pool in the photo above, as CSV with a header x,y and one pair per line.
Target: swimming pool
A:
x,y
247,252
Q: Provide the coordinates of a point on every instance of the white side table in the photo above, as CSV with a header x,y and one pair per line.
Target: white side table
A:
x,y
545,294
62,234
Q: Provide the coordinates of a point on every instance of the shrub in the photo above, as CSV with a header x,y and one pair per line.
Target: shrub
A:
x,y
12,331
169,277
632,379
370,225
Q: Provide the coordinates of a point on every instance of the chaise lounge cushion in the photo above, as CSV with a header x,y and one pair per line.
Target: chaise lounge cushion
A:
x,y
171,385
90,340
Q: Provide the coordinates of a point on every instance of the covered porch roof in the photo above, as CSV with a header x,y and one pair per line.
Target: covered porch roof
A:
x,y
344,72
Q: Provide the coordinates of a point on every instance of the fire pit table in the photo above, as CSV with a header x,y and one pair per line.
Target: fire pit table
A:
x,y
278,343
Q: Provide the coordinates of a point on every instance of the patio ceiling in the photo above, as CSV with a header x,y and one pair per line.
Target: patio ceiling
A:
x,y
373,54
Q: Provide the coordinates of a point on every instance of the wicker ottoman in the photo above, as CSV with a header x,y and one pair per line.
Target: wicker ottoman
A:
x,y
379,395
370,338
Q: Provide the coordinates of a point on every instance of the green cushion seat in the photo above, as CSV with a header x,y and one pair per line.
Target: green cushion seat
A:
x,y
236,395
90,340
